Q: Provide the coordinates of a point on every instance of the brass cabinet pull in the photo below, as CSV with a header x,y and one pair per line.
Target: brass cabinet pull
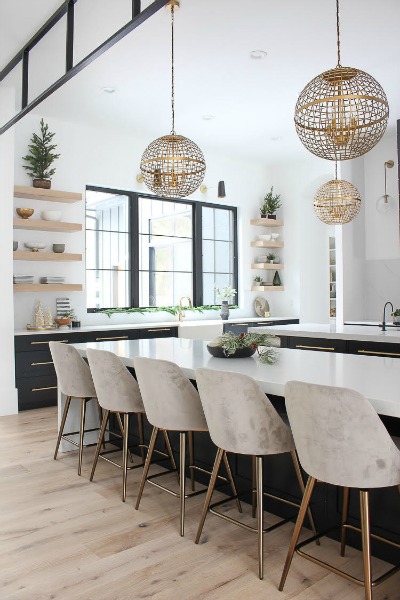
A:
x,y
61,341
50,362
122,337
316,348
161,329
378,353
265,324
239,324
52,387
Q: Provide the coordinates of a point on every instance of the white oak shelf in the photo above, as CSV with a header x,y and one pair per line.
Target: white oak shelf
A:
x,y
265,244
42,225
267,222
31,193
47,256
267,288
267,266
47,287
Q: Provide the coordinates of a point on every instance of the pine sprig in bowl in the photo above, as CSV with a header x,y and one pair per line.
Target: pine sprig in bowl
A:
x,y
229,345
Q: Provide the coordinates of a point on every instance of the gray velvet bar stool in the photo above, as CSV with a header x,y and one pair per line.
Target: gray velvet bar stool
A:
x,y
340,440
172,404
118,393
242,420
75,382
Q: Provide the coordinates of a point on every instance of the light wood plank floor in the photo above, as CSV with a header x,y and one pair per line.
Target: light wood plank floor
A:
x,y
63,537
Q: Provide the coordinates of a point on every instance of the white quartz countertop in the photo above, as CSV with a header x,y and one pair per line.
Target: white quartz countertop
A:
x,y
362,333
375,377
153,324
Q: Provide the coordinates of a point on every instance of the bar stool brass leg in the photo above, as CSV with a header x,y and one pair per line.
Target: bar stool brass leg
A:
x,y
82,429
232,482
209,494
297,528
364,505
141,438
171,454
121,428
125,455
345,515
147,465
260,515
182,481
302,489
98,447
100,411
62,424
253,487
191,459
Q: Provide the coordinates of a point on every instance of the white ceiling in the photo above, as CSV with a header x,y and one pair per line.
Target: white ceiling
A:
x,y
252,100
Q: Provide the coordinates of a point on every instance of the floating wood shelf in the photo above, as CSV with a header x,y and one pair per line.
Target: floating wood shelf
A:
x,y
265,244
42,225
267,288
49,256
267,266
267,222
31,193
47,287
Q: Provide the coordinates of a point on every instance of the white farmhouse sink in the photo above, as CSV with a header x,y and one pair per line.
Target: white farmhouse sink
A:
x,y
200,331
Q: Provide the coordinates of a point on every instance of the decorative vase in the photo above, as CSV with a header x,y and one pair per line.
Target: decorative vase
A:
x,y
276,280
219,352
42,183
224,309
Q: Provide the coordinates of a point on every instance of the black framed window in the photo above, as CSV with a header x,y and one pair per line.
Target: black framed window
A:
x,y
147,251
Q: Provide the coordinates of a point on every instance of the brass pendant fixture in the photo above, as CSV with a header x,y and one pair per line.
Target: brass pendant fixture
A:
x,y
337,202
173,165
342,113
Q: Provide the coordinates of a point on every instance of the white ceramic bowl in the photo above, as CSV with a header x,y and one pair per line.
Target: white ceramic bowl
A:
x,y
51,215
265,237
35,246
274,236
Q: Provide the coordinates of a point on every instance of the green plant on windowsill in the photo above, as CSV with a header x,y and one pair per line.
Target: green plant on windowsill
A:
x,y
172,310
265,344
396,316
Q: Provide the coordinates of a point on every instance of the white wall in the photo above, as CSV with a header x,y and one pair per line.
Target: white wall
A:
x,y
106,157
8,393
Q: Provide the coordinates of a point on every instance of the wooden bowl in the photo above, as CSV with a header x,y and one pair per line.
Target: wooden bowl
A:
x,y
63,321
24,213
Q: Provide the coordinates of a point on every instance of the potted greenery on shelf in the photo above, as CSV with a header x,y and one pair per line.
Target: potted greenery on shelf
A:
x,y
40,157
271,257
270,205
257,280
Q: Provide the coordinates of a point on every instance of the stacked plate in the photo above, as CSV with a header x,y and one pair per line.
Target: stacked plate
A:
x,y
52,280
23,278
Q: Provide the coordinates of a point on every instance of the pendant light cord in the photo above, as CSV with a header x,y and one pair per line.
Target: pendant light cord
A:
x,y
172,72
338,33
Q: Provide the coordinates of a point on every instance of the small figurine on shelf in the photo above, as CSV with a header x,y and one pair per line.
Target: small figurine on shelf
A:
x,y
48,319
276,280
39,318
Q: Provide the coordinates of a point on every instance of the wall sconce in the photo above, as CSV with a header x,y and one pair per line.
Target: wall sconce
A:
x,y
221,189
383,204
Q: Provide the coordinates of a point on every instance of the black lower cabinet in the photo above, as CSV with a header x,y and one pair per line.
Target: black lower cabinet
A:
x,y
374,349
317,344
37,392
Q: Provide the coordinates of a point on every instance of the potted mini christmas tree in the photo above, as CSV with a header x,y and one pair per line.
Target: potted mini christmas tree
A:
x,y
40,157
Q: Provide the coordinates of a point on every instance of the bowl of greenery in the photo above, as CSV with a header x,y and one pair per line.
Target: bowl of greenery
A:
x,y
244,345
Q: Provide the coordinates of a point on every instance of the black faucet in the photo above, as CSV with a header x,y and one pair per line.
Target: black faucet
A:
x,y
383,318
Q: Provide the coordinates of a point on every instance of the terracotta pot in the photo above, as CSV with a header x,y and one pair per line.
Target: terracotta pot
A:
x,y
42,183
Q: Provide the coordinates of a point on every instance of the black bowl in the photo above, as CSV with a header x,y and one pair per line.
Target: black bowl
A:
x,y
218,352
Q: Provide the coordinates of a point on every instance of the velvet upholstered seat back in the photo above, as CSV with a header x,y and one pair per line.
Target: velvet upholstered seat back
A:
x,y
339,437
73,373
117,390
170,400
240,417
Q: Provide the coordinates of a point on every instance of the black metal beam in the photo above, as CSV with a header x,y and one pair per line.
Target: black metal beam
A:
x,y
135,8
25,78
109,43
69,52
55,17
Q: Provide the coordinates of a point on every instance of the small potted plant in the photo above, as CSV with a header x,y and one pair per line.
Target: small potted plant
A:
x,y
40,157
257,280
271,257
225,293
396,316
270,205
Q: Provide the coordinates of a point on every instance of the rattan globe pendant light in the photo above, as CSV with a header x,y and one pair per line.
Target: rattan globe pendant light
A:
x,y
342,113
173,165
337,202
